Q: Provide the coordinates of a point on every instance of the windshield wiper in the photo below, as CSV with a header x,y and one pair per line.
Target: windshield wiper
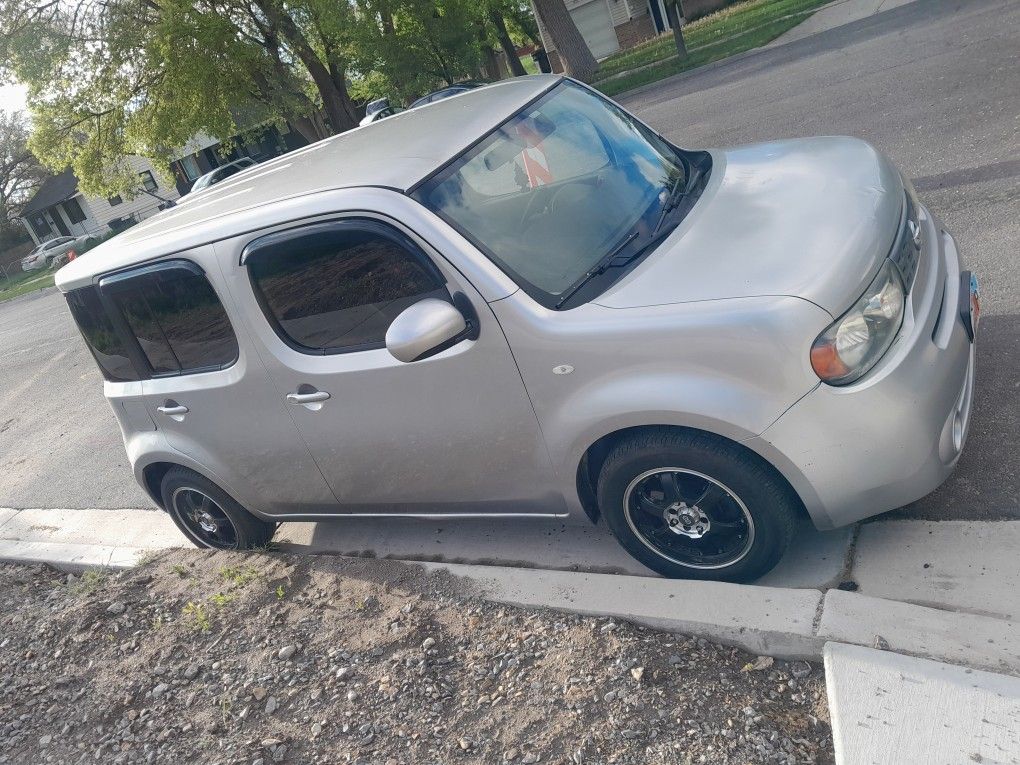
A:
x,y
676,193
601,267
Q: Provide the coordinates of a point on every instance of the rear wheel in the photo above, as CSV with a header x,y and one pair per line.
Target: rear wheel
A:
x,y
210,517
695,506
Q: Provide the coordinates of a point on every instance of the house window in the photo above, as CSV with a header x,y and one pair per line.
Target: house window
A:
x,y
190,167
74,211
148,180
114,200
40,226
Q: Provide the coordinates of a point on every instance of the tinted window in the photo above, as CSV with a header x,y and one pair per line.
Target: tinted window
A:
x,y
104,342
176,317
336,287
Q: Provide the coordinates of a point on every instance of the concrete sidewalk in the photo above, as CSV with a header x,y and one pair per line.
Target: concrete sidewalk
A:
x,y
888,708
836,15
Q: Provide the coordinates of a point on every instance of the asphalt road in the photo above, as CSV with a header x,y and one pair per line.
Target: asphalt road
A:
x,y
934,84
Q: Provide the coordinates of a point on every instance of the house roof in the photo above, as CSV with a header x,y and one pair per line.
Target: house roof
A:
x,y
395,153
54,189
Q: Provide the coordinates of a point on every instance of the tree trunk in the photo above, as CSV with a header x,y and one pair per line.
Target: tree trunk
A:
x,y
335,102
516,67
677,23
571,47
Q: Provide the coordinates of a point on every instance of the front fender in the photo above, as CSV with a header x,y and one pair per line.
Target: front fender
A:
x,y
729,367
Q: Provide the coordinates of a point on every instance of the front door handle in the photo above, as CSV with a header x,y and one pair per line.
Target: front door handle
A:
x,y
172,411
307,398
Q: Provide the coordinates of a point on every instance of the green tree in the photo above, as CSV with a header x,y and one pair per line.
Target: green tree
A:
x,y
119,77
412,46
20,173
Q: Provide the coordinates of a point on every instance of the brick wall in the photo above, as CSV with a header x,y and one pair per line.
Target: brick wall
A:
x,y
635,31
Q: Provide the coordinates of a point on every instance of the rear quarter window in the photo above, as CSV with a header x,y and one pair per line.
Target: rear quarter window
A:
x,y
102,339
175,316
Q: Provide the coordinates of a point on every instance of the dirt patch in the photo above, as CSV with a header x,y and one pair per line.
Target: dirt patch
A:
x,y
223,658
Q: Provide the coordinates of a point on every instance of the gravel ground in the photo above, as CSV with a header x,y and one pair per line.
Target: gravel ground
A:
x,y
260,659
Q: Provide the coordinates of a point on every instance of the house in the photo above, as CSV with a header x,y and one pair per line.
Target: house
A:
x,y
204,153
609,25
59,209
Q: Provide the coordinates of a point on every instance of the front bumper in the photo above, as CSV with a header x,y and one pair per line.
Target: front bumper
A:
x,y
896,434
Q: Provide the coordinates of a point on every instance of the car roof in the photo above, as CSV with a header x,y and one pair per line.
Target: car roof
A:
x,y
395,153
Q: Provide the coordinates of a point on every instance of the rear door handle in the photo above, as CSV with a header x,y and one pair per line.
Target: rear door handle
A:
x,y
307,398
172,411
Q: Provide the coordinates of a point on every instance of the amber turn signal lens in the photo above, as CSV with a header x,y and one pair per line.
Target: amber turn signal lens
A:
x,y
827,363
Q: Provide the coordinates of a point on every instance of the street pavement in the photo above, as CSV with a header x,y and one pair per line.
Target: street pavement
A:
x,y
934,84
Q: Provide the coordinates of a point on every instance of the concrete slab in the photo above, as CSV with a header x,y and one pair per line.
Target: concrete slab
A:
x,y
815,559
962,565
6,513
128,528
888,708
66,557
977,641
764,620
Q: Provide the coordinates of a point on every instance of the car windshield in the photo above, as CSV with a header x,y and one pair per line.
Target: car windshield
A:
x,y
202,182
550,194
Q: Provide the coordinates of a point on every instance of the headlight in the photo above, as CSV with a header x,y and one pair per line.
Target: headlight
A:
x,y
855,342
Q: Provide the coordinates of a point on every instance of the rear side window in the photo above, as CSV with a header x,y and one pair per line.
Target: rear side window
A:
x,y
100,336
336,287
174,314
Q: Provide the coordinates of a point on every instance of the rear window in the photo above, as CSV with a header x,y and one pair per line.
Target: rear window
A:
x,y
336,287
174,314
100,336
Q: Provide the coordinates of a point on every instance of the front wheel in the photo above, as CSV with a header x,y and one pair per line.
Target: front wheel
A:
x,y
695,506
210,517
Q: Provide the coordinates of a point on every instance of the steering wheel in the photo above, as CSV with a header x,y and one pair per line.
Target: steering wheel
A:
x,y
542,192
539,194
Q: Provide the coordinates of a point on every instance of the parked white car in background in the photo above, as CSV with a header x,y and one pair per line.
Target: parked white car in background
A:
x,y
53,251
222,173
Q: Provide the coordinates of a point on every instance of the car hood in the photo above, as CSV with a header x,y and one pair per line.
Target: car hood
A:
x,y
811,218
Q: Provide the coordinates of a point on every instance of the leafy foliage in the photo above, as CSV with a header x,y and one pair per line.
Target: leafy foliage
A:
x,y
110,78
20,174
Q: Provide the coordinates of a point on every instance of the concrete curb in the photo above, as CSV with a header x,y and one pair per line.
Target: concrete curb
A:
x,y
765,620
982,642
791,622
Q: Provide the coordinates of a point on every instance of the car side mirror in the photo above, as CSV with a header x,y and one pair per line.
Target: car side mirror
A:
x,y
423,329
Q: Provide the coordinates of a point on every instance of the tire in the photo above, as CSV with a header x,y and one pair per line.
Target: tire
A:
x,y
197,505
742,527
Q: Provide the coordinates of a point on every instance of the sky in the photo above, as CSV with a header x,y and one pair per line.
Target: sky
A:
x,y
12,97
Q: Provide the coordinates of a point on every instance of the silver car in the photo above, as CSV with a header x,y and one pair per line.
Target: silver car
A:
x,y
52,251
524,302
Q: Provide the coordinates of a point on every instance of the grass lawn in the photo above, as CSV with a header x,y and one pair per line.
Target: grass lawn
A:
x,y
22,282
732,30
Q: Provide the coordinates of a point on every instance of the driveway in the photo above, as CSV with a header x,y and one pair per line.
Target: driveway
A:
x,y
934,84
